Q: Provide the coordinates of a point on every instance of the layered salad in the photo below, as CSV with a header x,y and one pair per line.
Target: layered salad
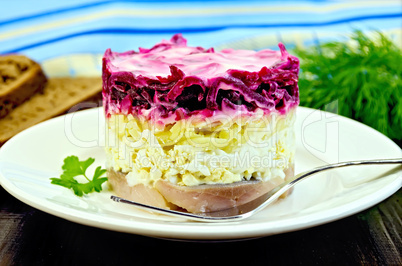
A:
x,y
191,128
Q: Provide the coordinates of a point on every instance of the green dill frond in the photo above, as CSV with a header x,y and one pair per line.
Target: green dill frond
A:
x,y
363,74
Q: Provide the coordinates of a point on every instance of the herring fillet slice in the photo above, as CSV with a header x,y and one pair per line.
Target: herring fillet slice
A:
x,y
194,199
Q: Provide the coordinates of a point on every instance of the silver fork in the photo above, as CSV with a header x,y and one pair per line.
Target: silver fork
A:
x,y
251,208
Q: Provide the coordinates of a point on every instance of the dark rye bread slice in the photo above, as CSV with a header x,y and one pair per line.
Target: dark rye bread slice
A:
x,y
20,78
58,97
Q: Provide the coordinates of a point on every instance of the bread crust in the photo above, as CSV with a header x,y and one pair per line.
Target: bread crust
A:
x,y
20,79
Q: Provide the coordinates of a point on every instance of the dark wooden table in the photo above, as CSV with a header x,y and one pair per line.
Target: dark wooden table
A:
x,y
31,237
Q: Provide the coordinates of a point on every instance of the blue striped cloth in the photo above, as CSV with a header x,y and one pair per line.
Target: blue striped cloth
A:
x,y
48,29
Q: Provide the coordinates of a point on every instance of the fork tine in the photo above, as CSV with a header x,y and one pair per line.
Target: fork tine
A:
x,y
220,216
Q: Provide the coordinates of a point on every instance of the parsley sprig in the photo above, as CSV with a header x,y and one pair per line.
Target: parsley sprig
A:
x,y
363,75
72,168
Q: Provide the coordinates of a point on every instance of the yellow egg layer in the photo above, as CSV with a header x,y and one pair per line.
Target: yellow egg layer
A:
x,y
217,150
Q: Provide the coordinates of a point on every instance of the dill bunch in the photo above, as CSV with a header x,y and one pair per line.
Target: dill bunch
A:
x,y
363,75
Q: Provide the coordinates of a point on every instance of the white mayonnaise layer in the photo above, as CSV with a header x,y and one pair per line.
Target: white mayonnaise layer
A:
x,y
196,152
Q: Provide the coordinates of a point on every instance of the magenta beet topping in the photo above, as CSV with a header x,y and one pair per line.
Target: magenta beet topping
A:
x,y
172,79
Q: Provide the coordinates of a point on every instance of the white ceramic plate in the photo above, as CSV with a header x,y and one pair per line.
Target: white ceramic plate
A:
x,y
28,160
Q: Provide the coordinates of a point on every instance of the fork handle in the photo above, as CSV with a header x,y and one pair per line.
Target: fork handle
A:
x,y
299,177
